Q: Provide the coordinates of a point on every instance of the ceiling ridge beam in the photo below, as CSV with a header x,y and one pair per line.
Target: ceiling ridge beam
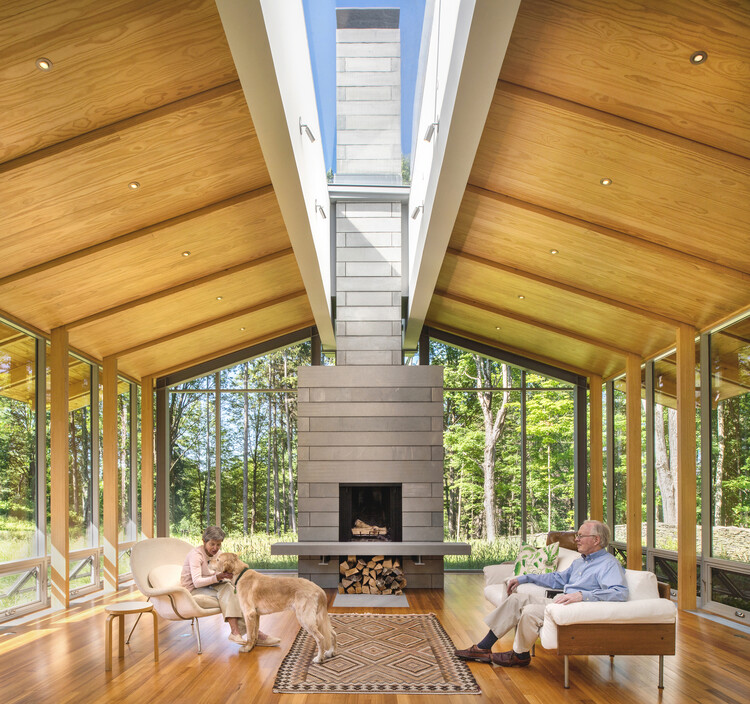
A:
x,y
618,235
669,138
527,320
136,234
658,317
113,129
513,350
210,323
244,266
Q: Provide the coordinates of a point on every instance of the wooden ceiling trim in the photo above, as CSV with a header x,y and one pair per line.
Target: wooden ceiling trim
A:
x,y
739,313
512,350
180,287
527,320
651,315
136,234
103,134
227,351
626,238
210,323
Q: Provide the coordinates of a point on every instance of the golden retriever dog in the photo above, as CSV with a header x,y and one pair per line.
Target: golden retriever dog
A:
x,y
260,594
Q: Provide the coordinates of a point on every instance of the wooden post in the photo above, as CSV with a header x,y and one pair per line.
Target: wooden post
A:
x,y
634,481
147,457
686,480
59,469
596,469
109,475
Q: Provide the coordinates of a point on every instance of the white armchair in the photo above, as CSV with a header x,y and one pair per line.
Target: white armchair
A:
x,y
642,625
156,564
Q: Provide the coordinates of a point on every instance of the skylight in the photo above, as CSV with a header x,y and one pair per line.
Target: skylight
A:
x,y
365,56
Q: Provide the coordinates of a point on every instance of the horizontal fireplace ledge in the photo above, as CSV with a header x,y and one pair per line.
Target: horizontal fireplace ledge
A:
x,y
374,547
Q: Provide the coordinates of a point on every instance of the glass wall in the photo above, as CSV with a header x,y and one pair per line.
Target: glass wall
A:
x,y
728,517
509,453
18,487
251,409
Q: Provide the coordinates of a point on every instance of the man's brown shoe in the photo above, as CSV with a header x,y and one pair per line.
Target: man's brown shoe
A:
x,y
474,653
510,659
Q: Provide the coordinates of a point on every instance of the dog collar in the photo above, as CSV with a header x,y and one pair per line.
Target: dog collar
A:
x,y
238,578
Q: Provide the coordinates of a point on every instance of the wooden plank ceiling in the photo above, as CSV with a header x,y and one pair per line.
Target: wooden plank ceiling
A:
x,y
147,92
142,92
604,89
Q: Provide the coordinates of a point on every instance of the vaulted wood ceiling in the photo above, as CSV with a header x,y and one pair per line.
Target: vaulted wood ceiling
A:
x,y
147,92
604,89
142,92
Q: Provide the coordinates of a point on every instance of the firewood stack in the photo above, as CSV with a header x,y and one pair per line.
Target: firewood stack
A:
x,y
376,575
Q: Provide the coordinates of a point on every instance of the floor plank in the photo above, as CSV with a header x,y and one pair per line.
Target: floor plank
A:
x,y
60,658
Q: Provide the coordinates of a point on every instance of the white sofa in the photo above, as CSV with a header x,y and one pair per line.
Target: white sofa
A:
x,y
642,625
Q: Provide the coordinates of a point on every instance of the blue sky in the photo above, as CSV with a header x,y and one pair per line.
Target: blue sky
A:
x,y
320,17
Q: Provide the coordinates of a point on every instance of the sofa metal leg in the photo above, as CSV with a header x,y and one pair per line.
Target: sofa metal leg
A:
x,y
567,673
198,634
533,650
661,672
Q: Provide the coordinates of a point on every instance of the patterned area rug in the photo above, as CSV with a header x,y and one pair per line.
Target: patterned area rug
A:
x,y
389,653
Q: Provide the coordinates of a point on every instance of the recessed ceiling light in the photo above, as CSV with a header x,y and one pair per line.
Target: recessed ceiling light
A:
x,y
605,181
522,297
134,185
554,251
218,298
186,253
497,328
698,57
43,64
242,329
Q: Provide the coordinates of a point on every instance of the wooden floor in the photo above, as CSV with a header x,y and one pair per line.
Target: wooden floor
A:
x,y
60,658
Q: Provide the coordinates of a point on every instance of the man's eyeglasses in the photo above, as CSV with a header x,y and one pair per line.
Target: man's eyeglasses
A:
x,y
579,536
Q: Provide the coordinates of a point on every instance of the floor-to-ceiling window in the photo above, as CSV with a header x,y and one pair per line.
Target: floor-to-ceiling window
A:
x,y
727,509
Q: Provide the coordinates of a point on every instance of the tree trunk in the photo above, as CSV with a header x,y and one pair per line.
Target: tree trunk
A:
x,y
291,493
208,459
493,428
719,479
549,487
245,439
664,477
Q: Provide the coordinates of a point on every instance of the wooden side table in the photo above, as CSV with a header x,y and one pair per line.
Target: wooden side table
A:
x,y
119,610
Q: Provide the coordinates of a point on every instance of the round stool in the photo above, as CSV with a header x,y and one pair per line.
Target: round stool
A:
x,y
118,611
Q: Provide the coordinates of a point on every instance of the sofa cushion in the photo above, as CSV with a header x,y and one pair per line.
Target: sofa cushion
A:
x,y
165,576
533,560
565,558
641,585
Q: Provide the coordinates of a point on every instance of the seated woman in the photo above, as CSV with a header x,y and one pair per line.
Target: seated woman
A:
x,y
198,579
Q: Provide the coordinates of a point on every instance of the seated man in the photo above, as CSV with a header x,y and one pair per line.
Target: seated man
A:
x,y
598,576
198,579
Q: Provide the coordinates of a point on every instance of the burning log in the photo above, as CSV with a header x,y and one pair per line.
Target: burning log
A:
x,y
376,575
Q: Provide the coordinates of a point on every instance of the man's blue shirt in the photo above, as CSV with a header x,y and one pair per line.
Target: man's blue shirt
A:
x,y
599,577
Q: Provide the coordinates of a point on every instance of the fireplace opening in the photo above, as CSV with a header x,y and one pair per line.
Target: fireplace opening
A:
x,y
369,512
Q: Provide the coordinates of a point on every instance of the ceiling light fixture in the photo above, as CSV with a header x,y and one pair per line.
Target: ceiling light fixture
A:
x,y
554,251
431,129
186,253
415,213
134,185
218,298
522,297
242,329
698,57
304,129
605,181
43,64
319,209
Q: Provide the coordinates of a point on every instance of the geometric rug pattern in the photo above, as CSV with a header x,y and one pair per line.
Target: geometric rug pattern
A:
x,y
386,653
